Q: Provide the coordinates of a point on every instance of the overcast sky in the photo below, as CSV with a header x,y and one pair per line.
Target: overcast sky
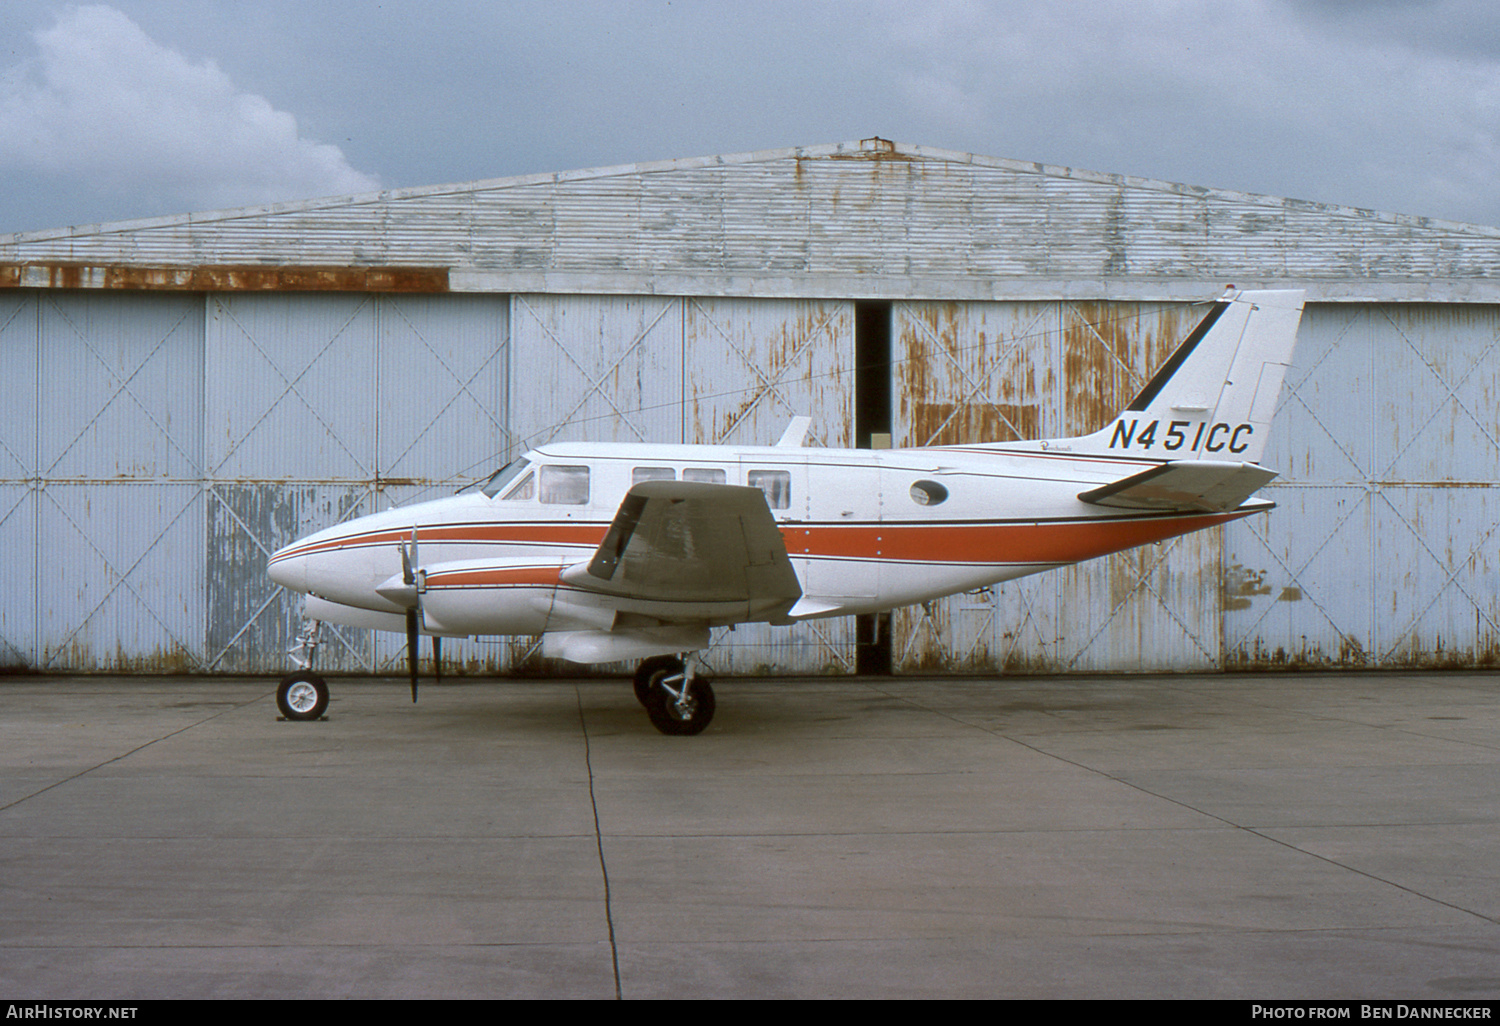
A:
x,y
144,107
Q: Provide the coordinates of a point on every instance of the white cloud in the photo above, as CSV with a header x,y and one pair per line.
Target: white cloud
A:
x,y
106,106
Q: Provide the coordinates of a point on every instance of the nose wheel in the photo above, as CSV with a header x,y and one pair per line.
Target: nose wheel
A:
x,y
679,701
303,695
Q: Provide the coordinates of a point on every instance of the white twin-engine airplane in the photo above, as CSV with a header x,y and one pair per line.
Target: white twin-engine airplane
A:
x,y
616,551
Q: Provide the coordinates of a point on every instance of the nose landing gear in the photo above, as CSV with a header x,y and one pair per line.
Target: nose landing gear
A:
x,y
303,695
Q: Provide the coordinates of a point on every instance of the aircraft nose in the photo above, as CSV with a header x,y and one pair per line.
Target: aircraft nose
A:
x,y
288,569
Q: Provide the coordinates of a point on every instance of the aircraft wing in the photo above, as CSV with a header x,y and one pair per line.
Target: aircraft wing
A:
x,y
1200,485
684,550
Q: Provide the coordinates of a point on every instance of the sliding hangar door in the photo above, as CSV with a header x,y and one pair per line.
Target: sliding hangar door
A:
x,y
156,447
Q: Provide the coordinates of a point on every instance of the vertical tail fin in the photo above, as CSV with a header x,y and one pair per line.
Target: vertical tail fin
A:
x,y
1214,398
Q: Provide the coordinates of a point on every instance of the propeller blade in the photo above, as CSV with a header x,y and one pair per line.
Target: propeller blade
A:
x,y
411,650
409,563
437,657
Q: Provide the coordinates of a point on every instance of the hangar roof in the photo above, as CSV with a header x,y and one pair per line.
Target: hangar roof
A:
x,y
864,219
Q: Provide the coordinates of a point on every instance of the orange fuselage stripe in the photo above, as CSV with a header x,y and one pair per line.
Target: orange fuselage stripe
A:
x,y
1052,542
1064,541
493,577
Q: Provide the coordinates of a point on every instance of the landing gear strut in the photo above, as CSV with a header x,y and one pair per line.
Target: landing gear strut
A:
x,y
303,695
678,699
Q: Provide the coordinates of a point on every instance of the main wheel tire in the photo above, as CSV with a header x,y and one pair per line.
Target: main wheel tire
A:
x,y
302,696
643,673
681,721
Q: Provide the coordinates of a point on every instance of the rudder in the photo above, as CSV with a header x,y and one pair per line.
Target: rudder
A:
x,y
1214,397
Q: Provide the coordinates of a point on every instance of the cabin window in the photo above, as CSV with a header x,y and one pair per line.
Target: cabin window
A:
x,y
565,486
501,479
639,474
928,493
524,489
705,475
777,484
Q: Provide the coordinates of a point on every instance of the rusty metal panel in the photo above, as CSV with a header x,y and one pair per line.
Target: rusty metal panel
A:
x,y
1149,609
18,608
870,218
250,621
1382,553
596,368
58,274
118,535
1153,609
1296,585
974,372
1000,371
751,365
400,398
1107,353
120,577
19,342
1439,606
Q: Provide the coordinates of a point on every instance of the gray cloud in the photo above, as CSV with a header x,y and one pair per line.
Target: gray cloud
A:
x,y
1243,94
1390,106
105,108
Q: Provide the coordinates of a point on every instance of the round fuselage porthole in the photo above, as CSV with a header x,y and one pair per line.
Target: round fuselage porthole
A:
x,y
928,493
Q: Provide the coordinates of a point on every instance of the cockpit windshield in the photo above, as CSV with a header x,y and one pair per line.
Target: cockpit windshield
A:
x,y
502,477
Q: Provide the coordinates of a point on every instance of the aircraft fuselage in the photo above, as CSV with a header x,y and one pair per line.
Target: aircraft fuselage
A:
x,y
865,530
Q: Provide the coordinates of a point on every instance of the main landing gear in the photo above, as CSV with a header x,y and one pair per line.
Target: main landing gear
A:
x,y
303,695
678,699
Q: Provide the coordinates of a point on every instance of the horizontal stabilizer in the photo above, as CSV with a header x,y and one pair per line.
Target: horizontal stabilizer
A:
x,y
1200,485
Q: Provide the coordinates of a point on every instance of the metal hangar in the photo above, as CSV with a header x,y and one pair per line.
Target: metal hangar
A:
x,y
189,393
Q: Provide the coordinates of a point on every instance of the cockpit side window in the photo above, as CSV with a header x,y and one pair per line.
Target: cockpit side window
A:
x,y
524,489
565,485
500,479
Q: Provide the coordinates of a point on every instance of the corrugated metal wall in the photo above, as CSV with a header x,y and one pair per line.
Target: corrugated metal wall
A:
x,y
1001,371
115,531
871,218
155,448
694,370
1383,550
750,366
